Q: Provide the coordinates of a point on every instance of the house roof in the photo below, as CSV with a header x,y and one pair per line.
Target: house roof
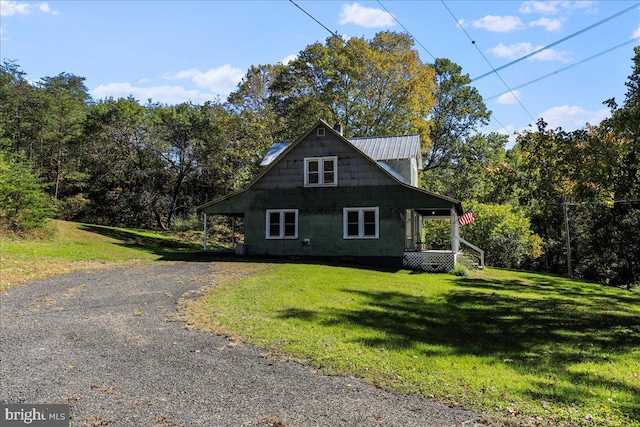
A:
x,y
274,151
376,147
280,149
389,147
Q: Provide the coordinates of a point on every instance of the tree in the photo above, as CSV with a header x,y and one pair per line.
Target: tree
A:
x,y
23,203
181,135
22,112
251,117
372,87
477,173
120,163
458,113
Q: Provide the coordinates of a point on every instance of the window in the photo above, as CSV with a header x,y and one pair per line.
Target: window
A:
x,y
361,223
282,224
320,132
321,171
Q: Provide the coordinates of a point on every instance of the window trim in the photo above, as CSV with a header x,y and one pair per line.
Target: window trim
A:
x,y
321,171
281,226
361,211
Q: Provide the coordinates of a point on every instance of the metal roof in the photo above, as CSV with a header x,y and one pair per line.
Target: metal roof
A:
x,y
377,147
274,151
389,147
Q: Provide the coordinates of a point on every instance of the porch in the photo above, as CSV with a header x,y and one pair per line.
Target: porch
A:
x,y
421,256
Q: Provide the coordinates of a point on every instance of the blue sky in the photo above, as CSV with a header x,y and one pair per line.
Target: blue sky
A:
x,y
176,51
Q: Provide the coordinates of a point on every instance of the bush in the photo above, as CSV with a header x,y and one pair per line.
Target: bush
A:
x,y
505,235
23,203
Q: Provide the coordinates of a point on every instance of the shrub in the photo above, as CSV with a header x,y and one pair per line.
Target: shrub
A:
x,y
23,203
504,233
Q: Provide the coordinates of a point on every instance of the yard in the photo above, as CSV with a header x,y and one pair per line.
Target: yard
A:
x,y
524,348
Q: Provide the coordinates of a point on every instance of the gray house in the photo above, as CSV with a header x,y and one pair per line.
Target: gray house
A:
x,y
351,199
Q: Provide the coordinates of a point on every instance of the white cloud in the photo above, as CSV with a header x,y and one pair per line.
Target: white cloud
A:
x,y
499,24
552,55
547,24
518,50
636,33
10,8
570,118
288,59
509,98
221,80
544,7
44,7
512,51
367,17
165,94
553,7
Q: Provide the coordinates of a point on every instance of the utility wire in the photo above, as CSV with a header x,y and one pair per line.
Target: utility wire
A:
x,y
408,32
430,54
568,67
473,42
557,42
334,34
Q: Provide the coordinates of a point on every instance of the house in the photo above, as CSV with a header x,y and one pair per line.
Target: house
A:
x,y
354,199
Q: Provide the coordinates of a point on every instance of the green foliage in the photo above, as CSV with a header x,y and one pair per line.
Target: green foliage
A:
x,y
504,233
23,203
460,269
458,112
373,87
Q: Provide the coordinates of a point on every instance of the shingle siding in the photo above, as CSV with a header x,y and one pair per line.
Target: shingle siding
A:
x,y
353,168
361,183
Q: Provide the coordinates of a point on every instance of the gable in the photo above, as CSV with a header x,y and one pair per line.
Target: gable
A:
x,y
285,170
353,168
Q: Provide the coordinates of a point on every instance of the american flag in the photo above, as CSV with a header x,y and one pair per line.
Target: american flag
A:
x,y
467,218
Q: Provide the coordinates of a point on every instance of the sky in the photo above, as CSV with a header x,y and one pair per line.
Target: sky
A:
x,y
196,51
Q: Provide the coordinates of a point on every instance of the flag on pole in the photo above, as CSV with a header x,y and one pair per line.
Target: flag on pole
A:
x,y
467,218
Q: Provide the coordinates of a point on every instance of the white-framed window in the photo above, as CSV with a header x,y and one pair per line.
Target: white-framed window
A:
x,y
321,171
361,223
282,224
320,132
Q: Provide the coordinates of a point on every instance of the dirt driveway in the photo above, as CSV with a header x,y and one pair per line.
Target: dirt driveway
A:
x,y
107,343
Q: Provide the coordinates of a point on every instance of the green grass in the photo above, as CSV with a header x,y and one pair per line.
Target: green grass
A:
x,y
526,349
68,246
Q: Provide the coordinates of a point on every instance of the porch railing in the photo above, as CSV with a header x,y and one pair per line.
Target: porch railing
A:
x,y
475,248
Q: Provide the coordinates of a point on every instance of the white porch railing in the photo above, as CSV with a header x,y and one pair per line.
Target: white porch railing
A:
x,y
475,248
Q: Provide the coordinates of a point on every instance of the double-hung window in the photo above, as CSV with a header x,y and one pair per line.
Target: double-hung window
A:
x,y
282,224
321,171
361,223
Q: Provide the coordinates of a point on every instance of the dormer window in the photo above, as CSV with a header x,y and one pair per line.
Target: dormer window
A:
x,y
321,171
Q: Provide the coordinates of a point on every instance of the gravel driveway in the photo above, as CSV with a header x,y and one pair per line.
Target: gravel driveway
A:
x,y
106,343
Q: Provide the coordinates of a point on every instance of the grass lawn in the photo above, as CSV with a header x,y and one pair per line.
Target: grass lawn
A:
x,y
68,246
524,348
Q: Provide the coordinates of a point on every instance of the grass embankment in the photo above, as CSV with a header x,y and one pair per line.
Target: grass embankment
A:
x,y
526,349
66,246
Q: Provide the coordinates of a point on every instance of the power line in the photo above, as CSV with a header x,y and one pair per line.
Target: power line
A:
x,y
430,54
334,34
568,67
473,42
557,42
405,28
